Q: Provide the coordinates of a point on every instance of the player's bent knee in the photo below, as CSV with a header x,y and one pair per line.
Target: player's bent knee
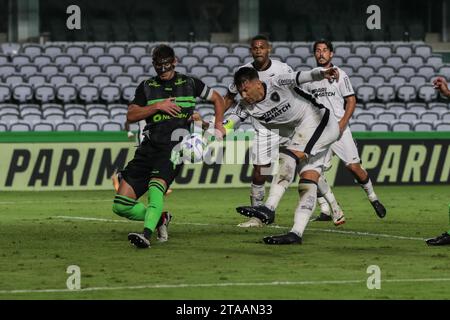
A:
x,y
307,186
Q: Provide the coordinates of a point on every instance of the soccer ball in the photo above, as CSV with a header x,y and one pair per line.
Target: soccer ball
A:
x,y
192,148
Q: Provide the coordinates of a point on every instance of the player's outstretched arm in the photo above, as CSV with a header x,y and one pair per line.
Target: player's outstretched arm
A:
x,y
442,85
219,110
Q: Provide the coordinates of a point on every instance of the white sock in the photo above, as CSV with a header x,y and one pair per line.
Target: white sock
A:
x,y
257,194
306,205
284,177
326,192
368,188
324,206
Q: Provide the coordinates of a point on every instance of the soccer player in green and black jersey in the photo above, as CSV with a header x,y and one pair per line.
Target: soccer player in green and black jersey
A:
x,y
166,102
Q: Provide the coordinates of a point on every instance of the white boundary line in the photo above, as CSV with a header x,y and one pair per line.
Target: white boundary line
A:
x,y
355,233
229,284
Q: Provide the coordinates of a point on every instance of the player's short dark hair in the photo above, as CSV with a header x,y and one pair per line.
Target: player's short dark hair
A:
x,y
162,52
260,37
244,74
325,42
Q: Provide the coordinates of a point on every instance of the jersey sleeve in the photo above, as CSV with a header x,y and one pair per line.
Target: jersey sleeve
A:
x,y
139,96
202,90
345,86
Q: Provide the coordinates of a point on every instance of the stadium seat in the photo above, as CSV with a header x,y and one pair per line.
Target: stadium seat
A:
x,y
443,71
442,126
114,69
63,60
65,126
423,50
74,51
20,60
427,93
366,93
126,60
20,126
358,126
343,51
135,69
355,61
282,51
105,59
401,126
31,50
232,61
92,69
219,50
66,93
199,51
445,117
112,126
303,51
71,69
198,71
49,69
79,80
241,51
42,60
366,117
397,81
366,71
101,79
430,116
43,126
408,117
395,61
311,62
404,51
53,50
28,69
44,93
417,81
23,93
376,81
116,50
384,51
123,79
95,50
222,89
138,50
84,60
387,116
348,70
407,71
375,61
128,92
415,61
88,126
190,60
211,61
406,93
14,79
380,126
357,81
88,93
364,51
220,71
423,127
386,93
386,71
435,61
110,93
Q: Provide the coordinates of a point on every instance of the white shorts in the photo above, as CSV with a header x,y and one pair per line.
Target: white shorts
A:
x,y
314,137
345,148
265,147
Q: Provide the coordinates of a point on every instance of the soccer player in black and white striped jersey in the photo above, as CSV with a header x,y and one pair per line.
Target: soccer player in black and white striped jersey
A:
x,y
339,97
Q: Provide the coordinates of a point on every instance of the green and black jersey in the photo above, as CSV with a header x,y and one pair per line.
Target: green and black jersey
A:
x,y
184,89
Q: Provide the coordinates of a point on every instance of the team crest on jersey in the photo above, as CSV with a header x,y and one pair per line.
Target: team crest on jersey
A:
x,y
275,97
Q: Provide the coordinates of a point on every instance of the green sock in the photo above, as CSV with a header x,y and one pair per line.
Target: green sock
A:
x,y
448,232
129,208
156,192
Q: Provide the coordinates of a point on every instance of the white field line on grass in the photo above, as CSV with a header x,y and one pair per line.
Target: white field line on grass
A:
x,y
355,233
226,284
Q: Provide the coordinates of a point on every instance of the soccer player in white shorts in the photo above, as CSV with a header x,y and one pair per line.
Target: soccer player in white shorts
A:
x,y
280,106
339,97
264,150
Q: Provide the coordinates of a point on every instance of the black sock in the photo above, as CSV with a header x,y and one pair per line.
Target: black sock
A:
x,y
147,233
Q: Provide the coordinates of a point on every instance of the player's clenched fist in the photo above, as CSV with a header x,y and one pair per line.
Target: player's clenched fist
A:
x,y
441,85
168,106
330,74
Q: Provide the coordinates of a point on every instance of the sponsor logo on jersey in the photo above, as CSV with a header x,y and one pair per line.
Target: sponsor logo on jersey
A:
x,y
322,92
286,82
275,112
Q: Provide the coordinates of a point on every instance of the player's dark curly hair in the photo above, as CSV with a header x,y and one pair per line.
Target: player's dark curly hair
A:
x,y
162,52
325,42
244,74
259,37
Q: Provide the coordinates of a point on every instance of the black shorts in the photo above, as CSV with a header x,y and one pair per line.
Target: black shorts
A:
x,y
150,161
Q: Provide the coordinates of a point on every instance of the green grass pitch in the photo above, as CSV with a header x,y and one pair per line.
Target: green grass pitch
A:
x,y
208,257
